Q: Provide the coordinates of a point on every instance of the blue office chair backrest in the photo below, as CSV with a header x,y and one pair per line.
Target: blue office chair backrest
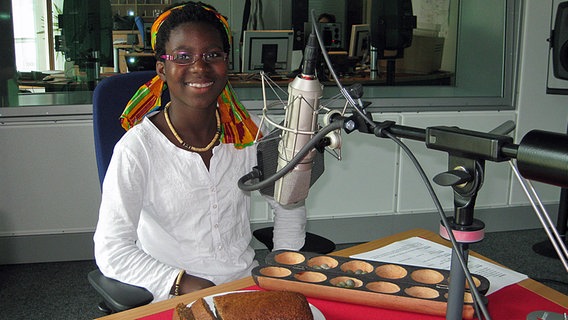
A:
x,y
109,99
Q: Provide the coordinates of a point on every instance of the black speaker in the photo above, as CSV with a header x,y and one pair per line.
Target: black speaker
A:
x,y
299,16
8,61
559,42
392,24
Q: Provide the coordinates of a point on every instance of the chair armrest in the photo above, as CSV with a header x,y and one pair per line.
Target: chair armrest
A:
x,y
119,296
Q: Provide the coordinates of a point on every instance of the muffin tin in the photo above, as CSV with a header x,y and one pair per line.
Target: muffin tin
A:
x,y
372,283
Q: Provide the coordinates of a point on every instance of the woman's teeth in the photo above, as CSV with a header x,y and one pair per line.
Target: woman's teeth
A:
x,y
199,85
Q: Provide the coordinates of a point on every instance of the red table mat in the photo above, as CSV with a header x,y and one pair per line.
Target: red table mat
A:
x,y
513,303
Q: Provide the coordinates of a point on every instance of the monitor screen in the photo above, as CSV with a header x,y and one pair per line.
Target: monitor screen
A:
x,y
359,41
267,50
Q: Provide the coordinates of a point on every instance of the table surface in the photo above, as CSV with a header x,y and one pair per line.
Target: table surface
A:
x,y
157,307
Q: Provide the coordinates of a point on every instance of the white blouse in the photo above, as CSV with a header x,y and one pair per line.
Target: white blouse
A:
x,y
163,211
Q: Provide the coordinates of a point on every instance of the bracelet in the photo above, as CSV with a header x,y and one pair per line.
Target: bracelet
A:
x,y
178,281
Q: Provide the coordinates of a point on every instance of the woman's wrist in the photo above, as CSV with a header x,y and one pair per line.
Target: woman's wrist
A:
x,y
177,284
186,283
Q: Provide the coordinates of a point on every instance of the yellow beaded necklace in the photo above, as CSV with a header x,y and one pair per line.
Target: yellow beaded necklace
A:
x,y
183,143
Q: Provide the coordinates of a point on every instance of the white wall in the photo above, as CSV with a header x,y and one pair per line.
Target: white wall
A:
x,y
49,190
536,109
48,185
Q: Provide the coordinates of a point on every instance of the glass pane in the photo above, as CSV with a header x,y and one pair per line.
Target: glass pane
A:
x,y
477,61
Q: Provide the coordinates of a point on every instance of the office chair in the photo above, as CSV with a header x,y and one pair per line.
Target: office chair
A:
x,y
109,99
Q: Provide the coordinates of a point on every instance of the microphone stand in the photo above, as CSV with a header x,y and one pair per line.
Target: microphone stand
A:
x,y
465,177
467,154
540,156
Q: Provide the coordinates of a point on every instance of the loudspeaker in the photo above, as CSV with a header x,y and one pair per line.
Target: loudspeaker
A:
x,y
392,24
299,17
559,42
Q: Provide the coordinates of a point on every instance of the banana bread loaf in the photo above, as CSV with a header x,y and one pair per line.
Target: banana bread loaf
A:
x,y
267,305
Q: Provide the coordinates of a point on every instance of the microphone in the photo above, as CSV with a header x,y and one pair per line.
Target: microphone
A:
x,y
290,157
301,117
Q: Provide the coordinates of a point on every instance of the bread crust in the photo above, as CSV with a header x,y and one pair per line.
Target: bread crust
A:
x,y
267,305
182,312
201,311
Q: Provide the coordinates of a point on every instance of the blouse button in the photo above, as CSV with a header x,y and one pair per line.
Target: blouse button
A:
x,y
214,206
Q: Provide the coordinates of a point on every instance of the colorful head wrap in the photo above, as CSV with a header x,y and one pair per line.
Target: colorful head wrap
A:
x,y
236,125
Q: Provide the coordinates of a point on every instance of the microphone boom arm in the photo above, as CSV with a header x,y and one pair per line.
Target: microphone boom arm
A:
x,y
541,155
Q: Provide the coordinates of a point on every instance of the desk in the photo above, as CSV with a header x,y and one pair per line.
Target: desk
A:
x,y
529,284
241,80
57,85
61,84
439,78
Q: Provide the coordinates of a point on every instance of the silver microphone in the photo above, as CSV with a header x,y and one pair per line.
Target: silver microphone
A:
x,y
301,121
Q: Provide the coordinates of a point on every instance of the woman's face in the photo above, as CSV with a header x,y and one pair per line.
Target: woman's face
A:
x,y
198,84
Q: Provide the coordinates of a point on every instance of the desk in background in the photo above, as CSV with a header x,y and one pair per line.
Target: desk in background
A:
x,y
120,40
56,85
60,83
506,300
403,79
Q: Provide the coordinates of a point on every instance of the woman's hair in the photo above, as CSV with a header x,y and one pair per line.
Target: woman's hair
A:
x,y
189,12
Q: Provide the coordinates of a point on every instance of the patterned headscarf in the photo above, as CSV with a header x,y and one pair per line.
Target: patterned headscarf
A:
x,y
236,125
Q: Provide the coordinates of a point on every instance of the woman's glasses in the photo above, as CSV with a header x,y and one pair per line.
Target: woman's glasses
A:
x,y
187,58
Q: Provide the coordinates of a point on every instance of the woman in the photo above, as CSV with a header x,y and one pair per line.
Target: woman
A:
x,y
172,218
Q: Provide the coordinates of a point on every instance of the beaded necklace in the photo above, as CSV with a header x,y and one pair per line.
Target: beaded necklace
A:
x,y
183,143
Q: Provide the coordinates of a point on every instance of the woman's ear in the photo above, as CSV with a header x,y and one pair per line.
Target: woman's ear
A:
x,y
161,70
